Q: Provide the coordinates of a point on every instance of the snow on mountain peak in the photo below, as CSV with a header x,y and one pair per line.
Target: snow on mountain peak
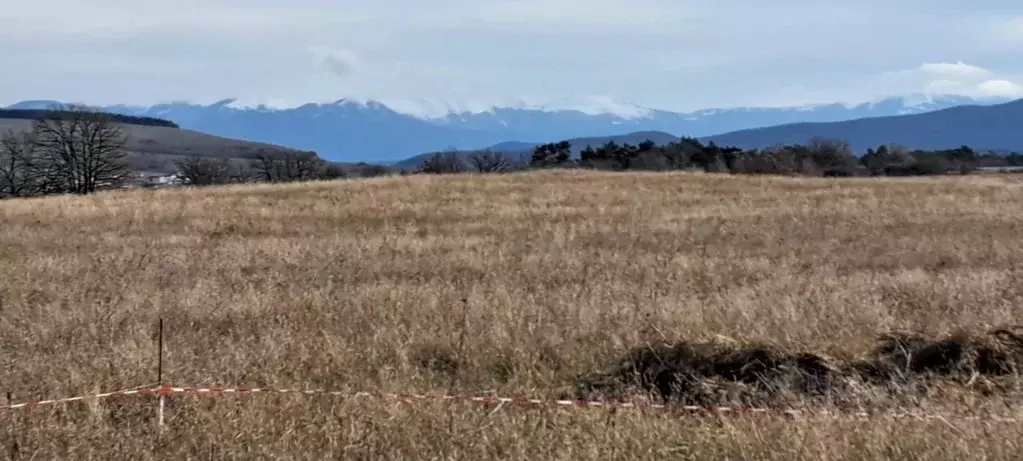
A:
x,y
263,105
432,109
911,102
598,105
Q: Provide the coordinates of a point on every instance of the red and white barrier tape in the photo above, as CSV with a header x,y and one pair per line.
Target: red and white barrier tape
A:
x,y
167,391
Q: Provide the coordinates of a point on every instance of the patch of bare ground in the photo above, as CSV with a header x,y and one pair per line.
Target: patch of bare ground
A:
x,y
697,288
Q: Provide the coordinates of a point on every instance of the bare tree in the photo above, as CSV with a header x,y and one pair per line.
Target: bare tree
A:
x,y
242,173
487,161
80,150
18,177
289,167
204,171
443,163
829,153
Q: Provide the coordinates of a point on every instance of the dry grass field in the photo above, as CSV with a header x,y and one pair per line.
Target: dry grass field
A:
x,y
519,285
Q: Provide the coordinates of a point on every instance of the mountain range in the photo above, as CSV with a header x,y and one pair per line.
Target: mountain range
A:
x,y
349,130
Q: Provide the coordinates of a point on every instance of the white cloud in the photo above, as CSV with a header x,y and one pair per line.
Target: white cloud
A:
x,y
984,89
1000,88
943,87
953,69
950,78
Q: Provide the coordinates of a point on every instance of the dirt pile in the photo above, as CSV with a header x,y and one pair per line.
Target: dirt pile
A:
x,y
712,373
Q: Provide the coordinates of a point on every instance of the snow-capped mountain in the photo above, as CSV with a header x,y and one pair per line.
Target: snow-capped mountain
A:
x,y
376,131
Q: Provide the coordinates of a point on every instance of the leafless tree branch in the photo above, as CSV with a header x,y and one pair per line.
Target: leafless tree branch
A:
x,y
82,150
486,161
204,171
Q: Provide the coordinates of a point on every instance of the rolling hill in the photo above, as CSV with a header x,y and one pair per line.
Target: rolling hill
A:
x,y
994,127
156,148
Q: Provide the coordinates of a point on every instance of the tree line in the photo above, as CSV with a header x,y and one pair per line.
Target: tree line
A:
x,y
34,114
198,170
818,157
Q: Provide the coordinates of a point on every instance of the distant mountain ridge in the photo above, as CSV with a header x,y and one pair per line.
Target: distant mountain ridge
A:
x,y
997,127
372,131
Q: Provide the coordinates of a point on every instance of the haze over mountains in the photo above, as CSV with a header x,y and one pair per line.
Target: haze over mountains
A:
x,y
371,131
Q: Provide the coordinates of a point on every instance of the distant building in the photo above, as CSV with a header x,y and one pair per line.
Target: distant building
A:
x,y
1000,169
158,180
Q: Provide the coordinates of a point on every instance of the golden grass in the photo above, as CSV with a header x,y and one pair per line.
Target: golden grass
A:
x,y
514,284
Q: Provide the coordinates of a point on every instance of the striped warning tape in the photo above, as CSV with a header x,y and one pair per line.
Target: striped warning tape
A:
x,y
168,391
35,403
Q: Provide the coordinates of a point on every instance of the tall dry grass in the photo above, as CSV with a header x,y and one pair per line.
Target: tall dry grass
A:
x,y
514,284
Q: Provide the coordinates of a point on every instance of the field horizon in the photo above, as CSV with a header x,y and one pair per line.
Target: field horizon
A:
x,y
897,296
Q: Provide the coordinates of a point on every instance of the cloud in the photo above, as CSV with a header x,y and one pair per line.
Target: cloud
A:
x,y
572,15
116,17
943,87
941,70
952,78
953,69
984,89
671,54
1000,88
341,63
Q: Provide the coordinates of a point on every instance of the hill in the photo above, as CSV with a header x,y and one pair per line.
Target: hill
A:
x,y
993,127
374,131
535,285
154,148
522,150
30,114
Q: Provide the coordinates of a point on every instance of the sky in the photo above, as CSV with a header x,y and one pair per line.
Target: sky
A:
x,y
665,54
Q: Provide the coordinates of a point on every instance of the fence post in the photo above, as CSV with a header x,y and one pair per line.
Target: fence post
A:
x,y
159,373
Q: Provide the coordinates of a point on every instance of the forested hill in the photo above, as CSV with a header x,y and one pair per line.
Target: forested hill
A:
x,y
31,114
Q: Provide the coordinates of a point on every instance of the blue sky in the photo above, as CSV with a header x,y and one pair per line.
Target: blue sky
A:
x,y
670,54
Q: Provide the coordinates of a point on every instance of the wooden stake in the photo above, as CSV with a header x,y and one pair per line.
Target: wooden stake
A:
x,y
159,372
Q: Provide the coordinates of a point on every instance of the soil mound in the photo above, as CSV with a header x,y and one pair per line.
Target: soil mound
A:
x,y
711,373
